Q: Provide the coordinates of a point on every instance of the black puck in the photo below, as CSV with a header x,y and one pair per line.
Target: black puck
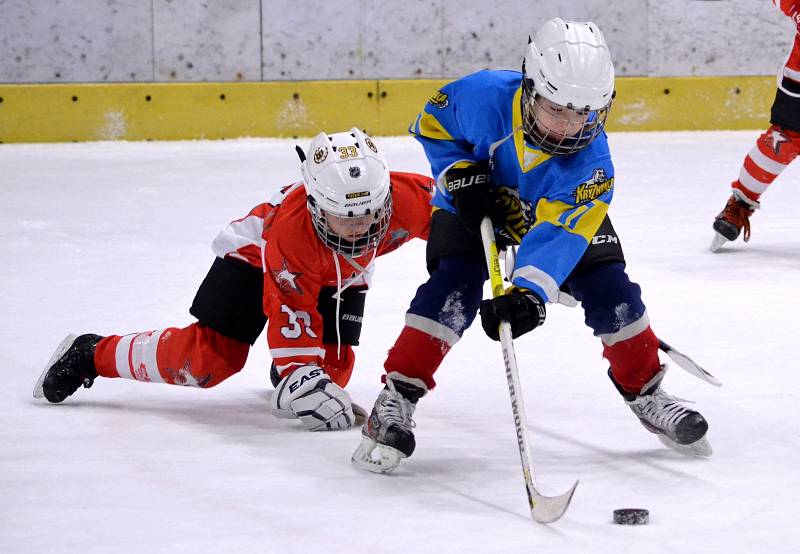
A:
x,y
631,516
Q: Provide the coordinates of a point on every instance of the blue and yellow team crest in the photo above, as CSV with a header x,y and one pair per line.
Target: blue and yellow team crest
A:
x,y
594,188
439,100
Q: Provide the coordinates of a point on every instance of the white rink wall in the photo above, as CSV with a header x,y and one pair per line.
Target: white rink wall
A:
x,y
254,40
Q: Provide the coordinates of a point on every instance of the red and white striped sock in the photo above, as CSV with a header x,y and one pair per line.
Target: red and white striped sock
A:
x,y
774,150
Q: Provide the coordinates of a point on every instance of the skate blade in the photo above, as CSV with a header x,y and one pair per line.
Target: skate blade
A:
x,y
718,242
698,449
38,391
387,461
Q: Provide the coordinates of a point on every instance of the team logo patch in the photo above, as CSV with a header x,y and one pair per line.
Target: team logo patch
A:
x,y
355,172
370,144
519,214
594,188
439,100
184,376
351,195
320,154
286,280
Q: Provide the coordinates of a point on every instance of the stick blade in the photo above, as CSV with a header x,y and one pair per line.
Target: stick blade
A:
x,y
548,509
688,364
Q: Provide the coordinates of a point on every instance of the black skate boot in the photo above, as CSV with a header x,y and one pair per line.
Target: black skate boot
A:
x,y
71,366
732,219
676,426
389,427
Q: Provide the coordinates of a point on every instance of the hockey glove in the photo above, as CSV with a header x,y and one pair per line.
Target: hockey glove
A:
x,y
309,395
473,197
523,309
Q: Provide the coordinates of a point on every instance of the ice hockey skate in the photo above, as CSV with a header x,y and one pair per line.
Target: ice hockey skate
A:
x,y
70,367
677,427
732,219
388,436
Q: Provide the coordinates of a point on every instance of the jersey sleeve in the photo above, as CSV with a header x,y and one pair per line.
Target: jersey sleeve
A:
x,y
440,130
565,221
412,194
292,286
790,8
241,239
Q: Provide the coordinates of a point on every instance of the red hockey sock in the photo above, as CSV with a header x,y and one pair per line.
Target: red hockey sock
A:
x,y
775,149
195,355
416,354
634,361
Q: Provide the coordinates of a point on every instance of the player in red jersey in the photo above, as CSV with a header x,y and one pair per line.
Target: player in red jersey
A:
x,y
775,149
301,263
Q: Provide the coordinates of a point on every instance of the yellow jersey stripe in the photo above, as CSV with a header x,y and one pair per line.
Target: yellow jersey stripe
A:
x,y
583,220
429,127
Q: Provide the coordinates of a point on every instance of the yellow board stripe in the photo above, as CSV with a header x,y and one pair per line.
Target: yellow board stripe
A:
x,y
175,111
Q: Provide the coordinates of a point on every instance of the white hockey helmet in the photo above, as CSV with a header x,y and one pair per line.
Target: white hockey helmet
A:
x,y
568,64
348,191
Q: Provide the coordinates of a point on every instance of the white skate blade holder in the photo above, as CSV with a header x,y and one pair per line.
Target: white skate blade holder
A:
x,y
718,242
698,449
387,461
38,391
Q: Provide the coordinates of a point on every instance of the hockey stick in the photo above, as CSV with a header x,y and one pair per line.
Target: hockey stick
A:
x,y
544,509
688,364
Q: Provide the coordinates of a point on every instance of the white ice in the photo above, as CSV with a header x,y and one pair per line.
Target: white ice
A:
x,y
114,238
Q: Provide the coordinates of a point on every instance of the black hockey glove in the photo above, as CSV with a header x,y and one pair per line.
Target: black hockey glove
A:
x,y
522,308
473,196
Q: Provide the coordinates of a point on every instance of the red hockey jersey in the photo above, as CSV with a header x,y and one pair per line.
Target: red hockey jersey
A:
x,y
278,237
791,69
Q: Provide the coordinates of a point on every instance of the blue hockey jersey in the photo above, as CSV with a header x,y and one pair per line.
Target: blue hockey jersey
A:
x,y
554,204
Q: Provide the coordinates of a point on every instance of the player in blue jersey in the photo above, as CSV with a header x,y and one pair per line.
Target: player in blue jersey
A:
x,y
528,149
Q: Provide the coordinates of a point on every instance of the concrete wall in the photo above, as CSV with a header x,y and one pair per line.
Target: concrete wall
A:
x,y
253,40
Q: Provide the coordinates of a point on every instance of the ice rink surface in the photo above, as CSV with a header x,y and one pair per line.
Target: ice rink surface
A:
x,y
115,238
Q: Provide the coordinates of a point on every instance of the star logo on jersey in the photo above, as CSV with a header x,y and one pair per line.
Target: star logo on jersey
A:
x,y
777,140
286,280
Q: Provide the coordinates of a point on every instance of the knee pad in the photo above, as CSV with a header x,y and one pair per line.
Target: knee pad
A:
x,y
452,294
609,298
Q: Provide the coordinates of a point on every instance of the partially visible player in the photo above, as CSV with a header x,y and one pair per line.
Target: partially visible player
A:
x,y
534,140
774,150
301,262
